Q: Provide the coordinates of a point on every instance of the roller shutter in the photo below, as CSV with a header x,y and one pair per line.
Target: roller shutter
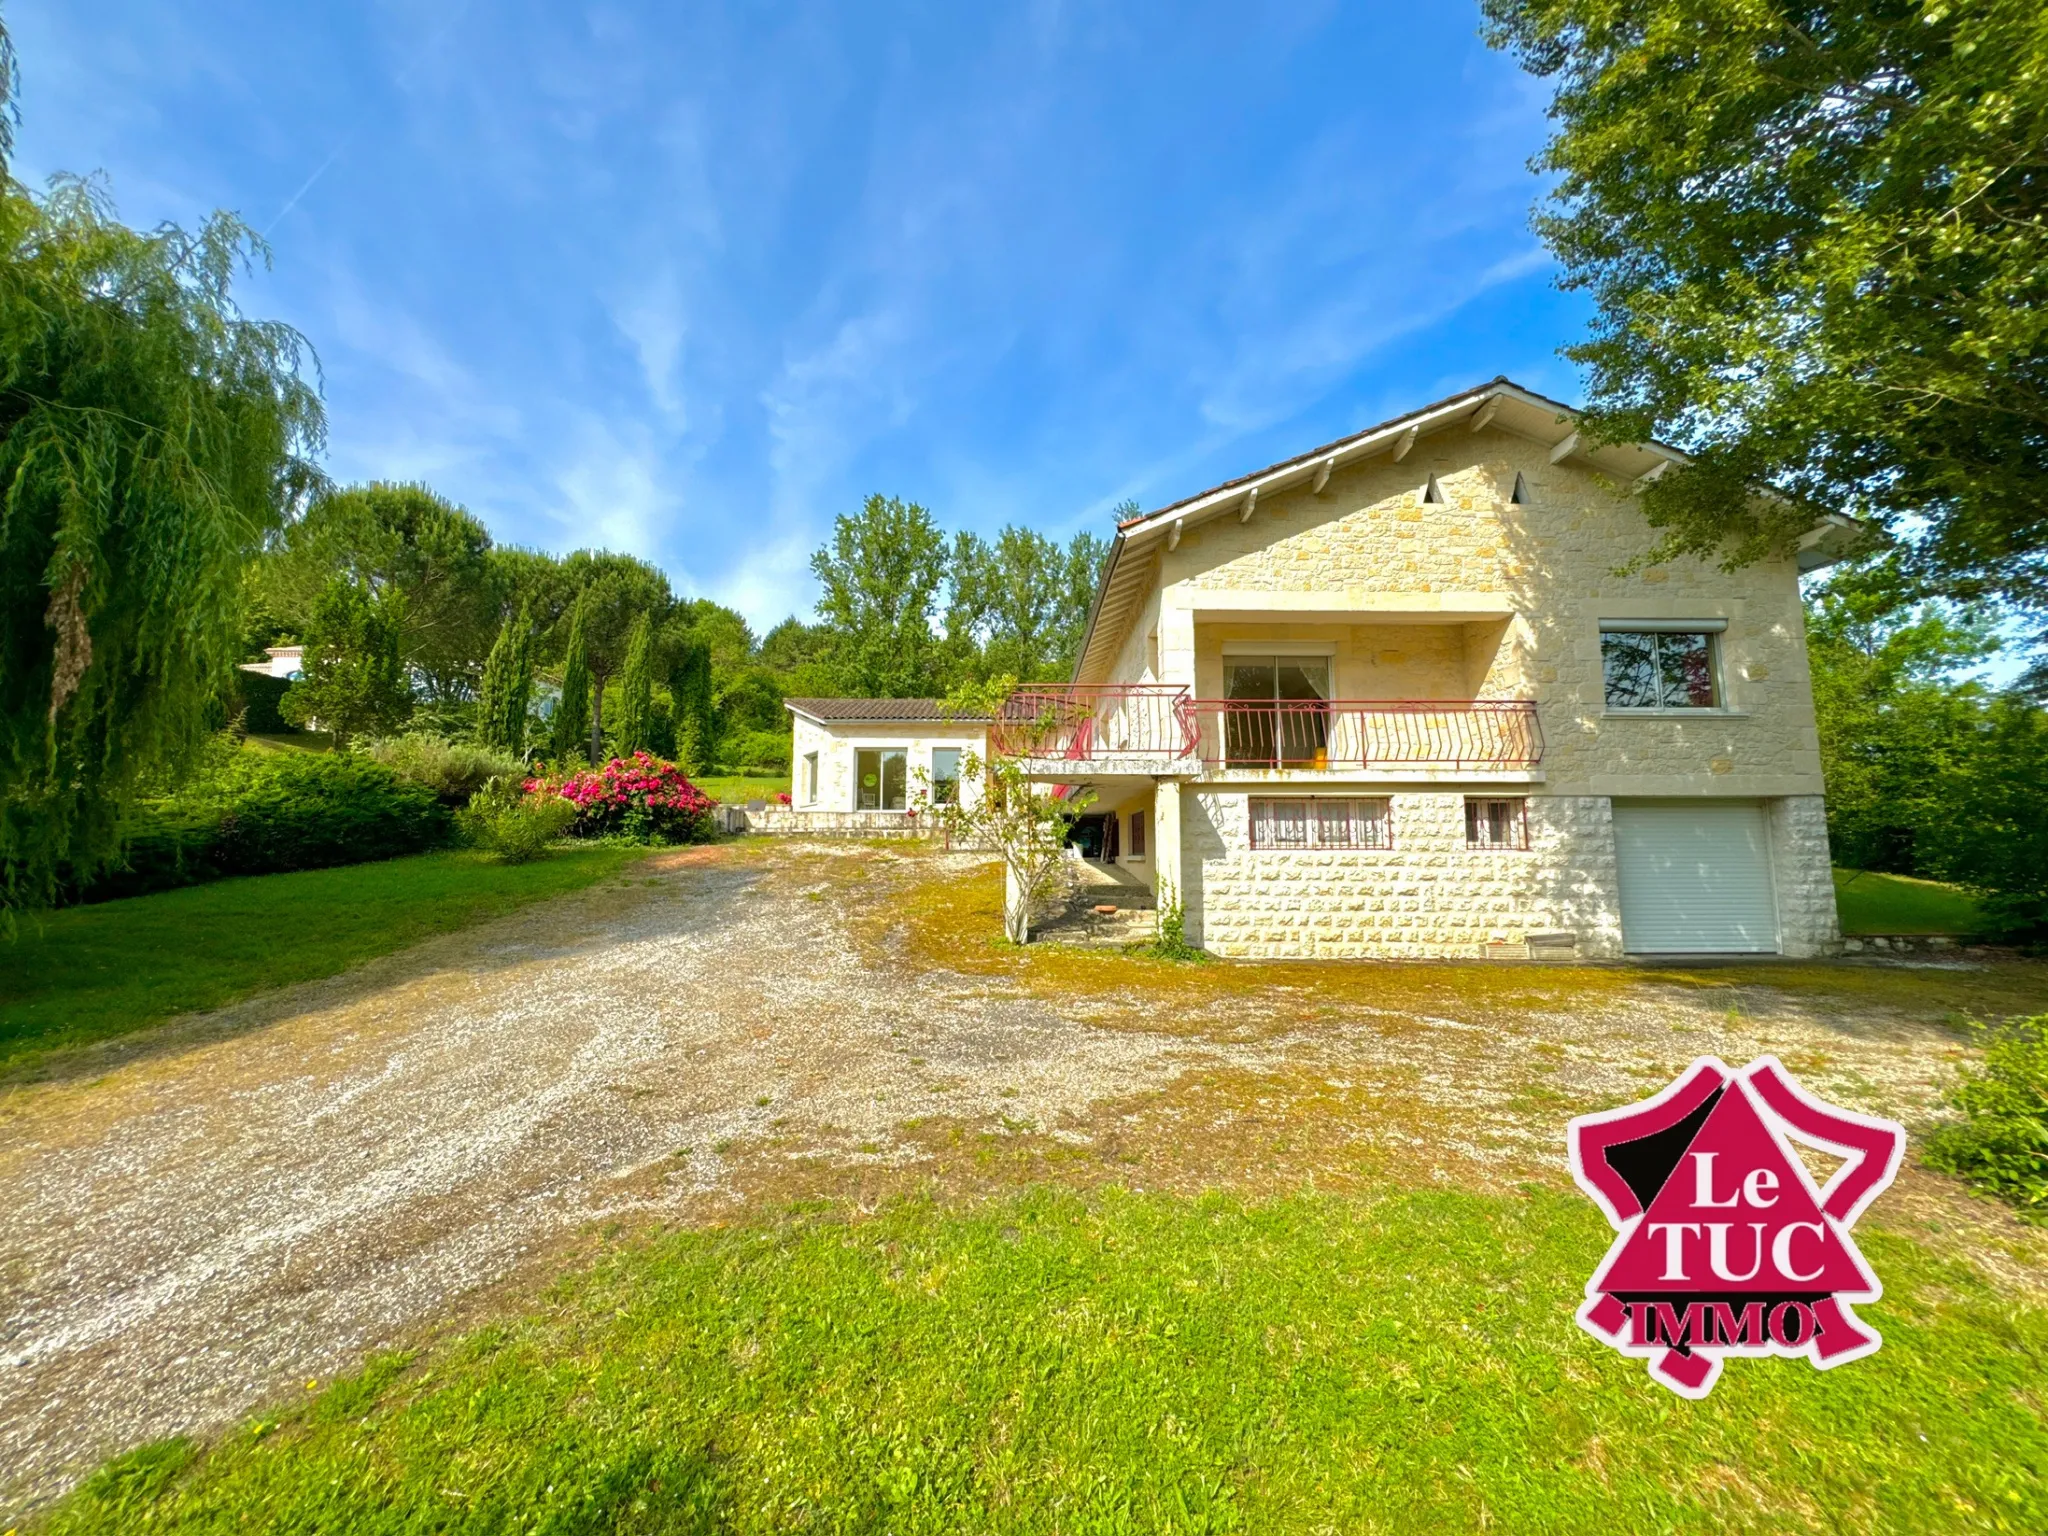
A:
x,y
1695,878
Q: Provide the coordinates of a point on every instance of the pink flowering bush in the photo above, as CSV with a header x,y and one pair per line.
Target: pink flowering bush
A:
x,y
641,797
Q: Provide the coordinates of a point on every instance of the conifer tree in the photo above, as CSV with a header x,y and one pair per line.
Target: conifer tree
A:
x,y
696,709
636,691
571,733
507,687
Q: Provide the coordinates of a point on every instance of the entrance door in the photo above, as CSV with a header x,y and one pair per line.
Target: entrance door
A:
x,y
1695,878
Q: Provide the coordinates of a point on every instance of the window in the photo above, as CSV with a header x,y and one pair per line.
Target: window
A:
x,y
945,775
1496,824
1520,497
1658,669
881,779
1432,493
1321,823
810,778
1137,850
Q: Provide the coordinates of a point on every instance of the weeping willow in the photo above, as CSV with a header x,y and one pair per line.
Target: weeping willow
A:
x,y
152,437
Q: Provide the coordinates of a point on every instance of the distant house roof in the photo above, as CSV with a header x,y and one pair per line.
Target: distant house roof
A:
x,y
880,711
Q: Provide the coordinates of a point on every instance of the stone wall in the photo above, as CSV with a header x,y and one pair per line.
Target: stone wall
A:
x,y
1803,875
783,821
1429,896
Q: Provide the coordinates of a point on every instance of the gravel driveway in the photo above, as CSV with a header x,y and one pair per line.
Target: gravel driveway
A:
x,y
251,1200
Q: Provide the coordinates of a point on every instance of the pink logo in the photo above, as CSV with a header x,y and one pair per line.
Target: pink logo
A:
x,y
1723,1244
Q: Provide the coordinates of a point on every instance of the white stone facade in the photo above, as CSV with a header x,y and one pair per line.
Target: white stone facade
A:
x,y
1478,560
836,743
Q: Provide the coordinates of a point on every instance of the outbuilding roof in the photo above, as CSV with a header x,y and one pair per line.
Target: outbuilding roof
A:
x,y
881,711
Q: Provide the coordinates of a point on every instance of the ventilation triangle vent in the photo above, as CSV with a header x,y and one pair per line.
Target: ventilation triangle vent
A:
x,y
1433,493
1521,496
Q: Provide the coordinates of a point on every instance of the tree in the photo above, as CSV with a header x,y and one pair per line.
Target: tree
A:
x,y
1816,239
1929,772
612,593
1026,826
151,437
881,574
689,684
355,677
799,656
405,539
571,727
636,692
506,692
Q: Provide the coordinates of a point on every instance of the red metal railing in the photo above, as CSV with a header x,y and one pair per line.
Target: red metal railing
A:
x,y
1090,721
1329,733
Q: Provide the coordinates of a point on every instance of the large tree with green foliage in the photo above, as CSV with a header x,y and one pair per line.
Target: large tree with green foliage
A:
x,y
403,539
1816,239
690,686
881,575
612,593
1929,771
152,436
355,681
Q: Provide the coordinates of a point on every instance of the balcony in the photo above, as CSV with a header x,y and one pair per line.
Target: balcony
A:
x,y
1145,728
1072,731
1472,735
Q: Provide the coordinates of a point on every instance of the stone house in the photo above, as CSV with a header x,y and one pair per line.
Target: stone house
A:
x,y
1416,693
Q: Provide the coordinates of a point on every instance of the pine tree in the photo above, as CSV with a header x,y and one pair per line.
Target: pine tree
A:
x,y
570,736
636,691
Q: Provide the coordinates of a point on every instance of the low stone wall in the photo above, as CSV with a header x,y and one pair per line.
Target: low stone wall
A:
x,y
1919,944
783,821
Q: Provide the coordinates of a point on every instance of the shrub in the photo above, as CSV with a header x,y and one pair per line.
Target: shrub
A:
x,y
261,813
517,827
453,770
641,797
2001,1146
260,695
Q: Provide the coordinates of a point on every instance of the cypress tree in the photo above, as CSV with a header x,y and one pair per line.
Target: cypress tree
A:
x,y
636,690
696,724
572,715
507,687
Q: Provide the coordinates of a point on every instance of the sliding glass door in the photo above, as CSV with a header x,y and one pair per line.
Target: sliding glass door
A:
x,y
881,777
1278,711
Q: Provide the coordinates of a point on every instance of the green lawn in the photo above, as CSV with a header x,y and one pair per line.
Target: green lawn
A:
x,y
1873,903
88,973
1128,1362
739,788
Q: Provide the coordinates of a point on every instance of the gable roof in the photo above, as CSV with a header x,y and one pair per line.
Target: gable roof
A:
x,y
1500,403
880,711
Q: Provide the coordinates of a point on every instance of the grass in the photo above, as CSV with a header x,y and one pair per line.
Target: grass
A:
x,y
93,972
1873,903
1402,1361
739,788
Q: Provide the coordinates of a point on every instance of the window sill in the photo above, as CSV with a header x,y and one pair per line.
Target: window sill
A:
x,y
1675,714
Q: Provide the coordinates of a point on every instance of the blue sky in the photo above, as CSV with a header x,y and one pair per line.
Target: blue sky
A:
x,y
689,280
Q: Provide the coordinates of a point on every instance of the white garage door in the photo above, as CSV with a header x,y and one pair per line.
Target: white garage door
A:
x,y
1695,878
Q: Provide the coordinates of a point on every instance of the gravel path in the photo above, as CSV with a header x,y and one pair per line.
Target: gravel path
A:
x,y
257,1198
314,1174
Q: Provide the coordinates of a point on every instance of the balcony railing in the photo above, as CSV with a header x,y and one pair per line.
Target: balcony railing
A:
x,y
1143,727
1368,733
1080,722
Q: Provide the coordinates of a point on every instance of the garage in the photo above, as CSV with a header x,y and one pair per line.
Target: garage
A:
x,y
1695,878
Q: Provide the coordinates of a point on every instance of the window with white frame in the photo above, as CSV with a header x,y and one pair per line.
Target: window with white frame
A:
x,y
1658,667
809,782
1321,822
945,775
1496,823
